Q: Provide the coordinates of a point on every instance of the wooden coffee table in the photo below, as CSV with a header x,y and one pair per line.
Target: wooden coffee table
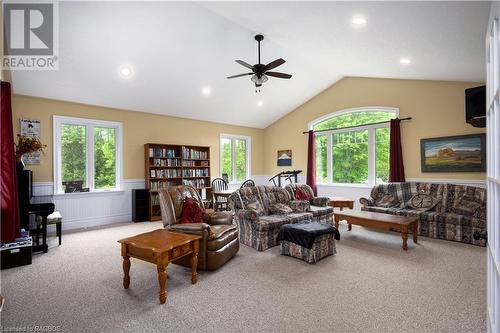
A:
x,y
381,221
160,247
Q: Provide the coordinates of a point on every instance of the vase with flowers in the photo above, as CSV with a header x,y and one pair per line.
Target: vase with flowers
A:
x,y
26,145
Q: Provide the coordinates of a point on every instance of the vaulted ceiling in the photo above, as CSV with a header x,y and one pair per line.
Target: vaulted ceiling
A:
x,y
174,50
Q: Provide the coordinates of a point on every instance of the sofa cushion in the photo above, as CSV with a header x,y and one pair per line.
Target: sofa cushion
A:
x,y
273,194
457,219
319,211
220,229
299,217
465,205
300,205
257,207
242,197
387,201
270,222
222,235
280,209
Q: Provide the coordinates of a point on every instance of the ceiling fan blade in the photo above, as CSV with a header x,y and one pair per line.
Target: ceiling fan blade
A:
x,y
277,74
239,75
274,64
242,63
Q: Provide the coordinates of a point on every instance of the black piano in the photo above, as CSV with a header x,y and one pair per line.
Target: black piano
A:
x,y
27,209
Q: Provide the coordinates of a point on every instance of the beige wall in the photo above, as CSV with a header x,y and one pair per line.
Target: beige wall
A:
x,y
436,108
138,128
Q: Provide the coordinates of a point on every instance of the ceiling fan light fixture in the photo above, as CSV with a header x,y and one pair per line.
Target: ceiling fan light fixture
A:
x,y
259,80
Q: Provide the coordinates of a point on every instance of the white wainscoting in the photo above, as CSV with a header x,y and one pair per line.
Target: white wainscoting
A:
x,y
83,210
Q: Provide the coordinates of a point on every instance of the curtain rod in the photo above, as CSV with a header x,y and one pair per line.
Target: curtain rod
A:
x,y
356,126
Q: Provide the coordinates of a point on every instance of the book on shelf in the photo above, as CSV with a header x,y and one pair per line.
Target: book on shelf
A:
x,y
194,154
166,173
155,185
170,162
195,172
196,183
161,152
155,199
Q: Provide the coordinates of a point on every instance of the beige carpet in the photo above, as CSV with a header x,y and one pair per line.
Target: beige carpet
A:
x,y
371,285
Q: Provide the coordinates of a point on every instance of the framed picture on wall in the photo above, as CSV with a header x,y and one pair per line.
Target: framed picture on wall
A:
x,y
285,157
462,153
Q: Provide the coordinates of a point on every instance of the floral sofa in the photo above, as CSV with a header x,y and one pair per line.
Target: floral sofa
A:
x,y
259,228
458,212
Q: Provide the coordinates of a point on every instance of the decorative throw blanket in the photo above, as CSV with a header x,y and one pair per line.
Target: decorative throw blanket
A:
x,y
304,234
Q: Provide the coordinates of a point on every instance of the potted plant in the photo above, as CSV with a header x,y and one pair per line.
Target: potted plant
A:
x,y
26,145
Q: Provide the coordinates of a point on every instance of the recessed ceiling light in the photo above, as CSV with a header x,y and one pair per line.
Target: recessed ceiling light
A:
x,y
126,72
260,103
206,91
358,20
405,61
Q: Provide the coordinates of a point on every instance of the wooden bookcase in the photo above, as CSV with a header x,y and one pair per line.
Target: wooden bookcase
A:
x,y
171,165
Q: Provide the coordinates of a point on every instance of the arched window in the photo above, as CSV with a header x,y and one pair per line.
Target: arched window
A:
x,y
352,145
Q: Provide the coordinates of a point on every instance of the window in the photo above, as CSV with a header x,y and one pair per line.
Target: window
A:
x,y
353,146
87,155
235,157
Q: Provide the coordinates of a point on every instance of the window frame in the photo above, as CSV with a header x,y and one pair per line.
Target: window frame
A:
x,y
89,124
371,181
232,178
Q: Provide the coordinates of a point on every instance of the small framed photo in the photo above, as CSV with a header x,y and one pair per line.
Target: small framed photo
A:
x,y
153,173
285,157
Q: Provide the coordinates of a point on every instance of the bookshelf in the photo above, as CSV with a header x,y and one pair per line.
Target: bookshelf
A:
x,y
171,165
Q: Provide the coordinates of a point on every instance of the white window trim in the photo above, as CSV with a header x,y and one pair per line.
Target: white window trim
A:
x,y
371,140
90,124
248,139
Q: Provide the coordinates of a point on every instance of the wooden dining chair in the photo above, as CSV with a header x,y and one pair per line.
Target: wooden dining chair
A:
x,y
248,183
220,202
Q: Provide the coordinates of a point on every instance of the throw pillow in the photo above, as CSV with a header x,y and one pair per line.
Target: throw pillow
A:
x,y
191,211
257,207
300,194
387,201
422,202
300,206
280,209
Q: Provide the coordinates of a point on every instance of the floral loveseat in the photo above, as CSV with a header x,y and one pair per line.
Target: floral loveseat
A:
x,y
458,212
259,228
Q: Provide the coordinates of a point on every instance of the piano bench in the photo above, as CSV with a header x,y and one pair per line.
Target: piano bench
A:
x,y
54,218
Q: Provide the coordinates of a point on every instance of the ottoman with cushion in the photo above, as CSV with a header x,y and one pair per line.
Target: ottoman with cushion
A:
x,y
310,242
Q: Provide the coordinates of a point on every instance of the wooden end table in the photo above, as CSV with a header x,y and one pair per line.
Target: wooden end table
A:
x,y
381,221
339,202
160,247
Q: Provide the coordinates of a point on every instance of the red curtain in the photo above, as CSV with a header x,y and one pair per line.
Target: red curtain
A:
x,y
396,167
8,182
311,162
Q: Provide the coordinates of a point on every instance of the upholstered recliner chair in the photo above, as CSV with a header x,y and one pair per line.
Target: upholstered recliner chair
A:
x,y
220,236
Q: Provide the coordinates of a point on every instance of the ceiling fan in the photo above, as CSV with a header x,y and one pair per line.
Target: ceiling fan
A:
x,y
260,72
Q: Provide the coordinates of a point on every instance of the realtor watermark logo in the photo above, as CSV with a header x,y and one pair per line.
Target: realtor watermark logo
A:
x,y
31,35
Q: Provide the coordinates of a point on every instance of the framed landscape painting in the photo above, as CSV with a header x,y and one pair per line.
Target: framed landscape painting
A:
x,y
285,157
463,153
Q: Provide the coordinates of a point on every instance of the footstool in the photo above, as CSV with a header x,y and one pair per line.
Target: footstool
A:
x,y
310,242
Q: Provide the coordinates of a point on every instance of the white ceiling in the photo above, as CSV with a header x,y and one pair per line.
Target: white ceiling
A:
x,y
175,49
